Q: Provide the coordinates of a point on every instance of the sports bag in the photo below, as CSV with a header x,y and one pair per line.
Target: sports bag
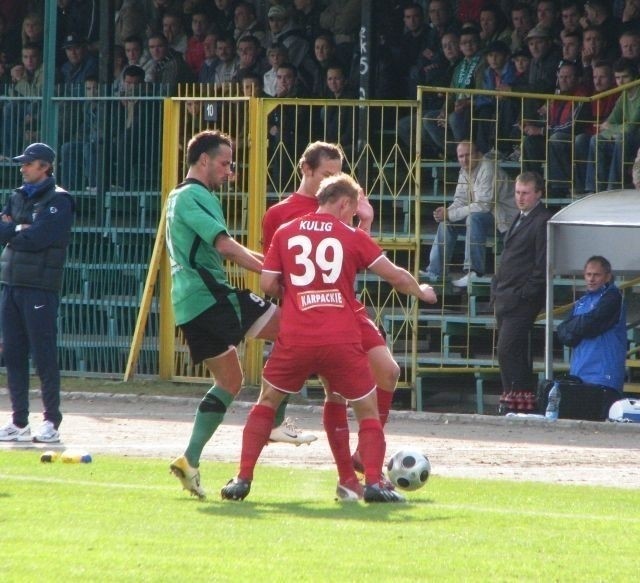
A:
x,y
579,400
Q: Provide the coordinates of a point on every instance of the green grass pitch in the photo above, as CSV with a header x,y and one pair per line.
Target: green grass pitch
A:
x,y
125,519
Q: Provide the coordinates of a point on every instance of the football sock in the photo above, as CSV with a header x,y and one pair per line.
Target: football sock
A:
x,y
254,437
209,415
280,411
336,426
384,404
372,449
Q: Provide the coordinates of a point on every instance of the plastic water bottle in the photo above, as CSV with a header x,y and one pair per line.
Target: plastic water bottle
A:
x,y
553,403
75,457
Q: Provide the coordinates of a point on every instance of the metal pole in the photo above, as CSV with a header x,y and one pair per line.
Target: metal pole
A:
x,y
48,116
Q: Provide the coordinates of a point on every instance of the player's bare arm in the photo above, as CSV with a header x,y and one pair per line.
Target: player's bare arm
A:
x,y
230,249
403,281
270,284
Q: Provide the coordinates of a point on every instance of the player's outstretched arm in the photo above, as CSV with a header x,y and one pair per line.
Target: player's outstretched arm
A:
x,y
403,281
230,249
270,284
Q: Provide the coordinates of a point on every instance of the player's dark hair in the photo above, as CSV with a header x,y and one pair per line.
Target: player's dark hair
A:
x,y
316,152
335,187
206,142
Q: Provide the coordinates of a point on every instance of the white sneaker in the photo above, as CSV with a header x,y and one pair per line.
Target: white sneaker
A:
x,y
11,432
47,433
465,280
288,432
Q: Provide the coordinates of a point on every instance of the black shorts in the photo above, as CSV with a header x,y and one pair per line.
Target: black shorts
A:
x,y
223,325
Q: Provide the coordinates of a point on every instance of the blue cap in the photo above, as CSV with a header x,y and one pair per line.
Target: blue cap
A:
x,y
35,152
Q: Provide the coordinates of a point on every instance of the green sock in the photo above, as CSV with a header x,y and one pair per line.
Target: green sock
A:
x,y
280,411
209,415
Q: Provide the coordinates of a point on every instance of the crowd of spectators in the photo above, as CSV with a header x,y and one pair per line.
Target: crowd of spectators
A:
x,y
467,44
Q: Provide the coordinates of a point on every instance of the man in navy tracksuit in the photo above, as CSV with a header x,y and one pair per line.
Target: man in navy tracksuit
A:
x,y
596,329
35,228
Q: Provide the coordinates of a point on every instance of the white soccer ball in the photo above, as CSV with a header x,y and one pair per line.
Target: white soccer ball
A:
x,y
408,469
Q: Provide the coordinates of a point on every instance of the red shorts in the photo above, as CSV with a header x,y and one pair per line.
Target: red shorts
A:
x,y
371,336
344,366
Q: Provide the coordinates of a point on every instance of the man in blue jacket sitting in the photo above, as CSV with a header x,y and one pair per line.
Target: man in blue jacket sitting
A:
x,y
596,329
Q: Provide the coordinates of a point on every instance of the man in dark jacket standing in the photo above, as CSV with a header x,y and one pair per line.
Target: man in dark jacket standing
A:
x,y
518,292
35,228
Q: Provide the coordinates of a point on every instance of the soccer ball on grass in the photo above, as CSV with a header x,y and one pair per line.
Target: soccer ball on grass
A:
x,y
408,469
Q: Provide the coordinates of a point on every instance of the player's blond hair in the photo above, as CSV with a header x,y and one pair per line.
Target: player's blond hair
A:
x,y
335,187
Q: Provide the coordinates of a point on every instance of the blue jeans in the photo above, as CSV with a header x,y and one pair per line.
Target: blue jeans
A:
x,y
580,161
480,226
597,178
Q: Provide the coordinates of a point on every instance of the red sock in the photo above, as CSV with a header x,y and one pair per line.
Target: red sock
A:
x,y
372,449
336,426
254,438
384,404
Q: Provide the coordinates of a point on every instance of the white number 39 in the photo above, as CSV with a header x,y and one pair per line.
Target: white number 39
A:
x,y
328,259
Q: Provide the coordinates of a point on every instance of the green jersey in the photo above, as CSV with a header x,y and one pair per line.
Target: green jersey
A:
x,y
194,220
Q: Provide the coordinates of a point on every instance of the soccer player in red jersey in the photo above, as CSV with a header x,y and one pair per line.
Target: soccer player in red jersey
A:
x,y
319,161
312,264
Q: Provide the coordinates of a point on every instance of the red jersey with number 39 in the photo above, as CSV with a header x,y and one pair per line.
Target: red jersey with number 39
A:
x,y
318,257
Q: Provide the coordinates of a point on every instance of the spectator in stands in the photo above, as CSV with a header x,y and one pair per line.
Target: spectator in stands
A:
x,y
252,85
545,59
482,203
468,75
435,73
342,19
522,22
616,138
598,13
223,16
324,54
288,129
338,120
20,116
157,9
119,62
277,55
32,29
82,18
456,111
194,55
594,48
246,23
596,329
561,122
518,292
548,16
207,72
307,18
282,31
173,31
409,48
80,63
166,67
249,51
493,25
227,67
571,12
137,157
631,14
572,47
82,158
629,43
499,75
600,109
130,20
440,22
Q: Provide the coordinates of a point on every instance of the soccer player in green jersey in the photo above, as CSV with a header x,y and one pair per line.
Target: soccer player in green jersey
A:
x,y
213,315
